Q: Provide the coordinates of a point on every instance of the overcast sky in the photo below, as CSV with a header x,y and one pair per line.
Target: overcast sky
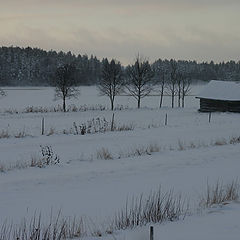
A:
x,y
201,30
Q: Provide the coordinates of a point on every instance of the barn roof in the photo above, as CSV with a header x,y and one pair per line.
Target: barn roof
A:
x,y
221,90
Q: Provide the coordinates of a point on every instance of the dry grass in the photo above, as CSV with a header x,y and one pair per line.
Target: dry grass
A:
x,y
151,148
51,131
156,208
104,153
98,125
220,193
220,142
17,165
58,228
18,134
46,158
58,108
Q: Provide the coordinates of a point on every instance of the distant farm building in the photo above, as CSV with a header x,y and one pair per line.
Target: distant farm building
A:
x,y
220,96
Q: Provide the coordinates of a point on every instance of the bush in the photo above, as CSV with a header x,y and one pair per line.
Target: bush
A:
x,y
47,157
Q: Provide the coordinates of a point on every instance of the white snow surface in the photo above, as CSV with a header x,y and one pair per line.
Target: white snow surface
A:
x,y
221,90
219,222
82,185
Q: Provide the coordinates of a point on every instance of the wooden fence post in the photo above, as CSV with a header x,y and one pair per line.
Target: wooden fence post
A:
x,y
43,126
151,232
166,119
209,117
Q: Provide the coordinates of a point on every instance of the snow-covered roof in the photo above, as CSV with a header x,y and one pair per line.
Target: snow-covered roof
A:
x,y
221,90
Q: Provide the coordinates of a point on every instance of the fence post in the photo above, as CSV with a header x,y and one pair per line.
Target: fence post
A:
x,y
166,119
209,117
112,124
43,126
151,232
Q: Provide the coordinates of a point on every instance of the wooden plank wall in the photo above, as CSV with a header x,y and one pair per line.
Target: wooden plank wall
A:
x,y
209,105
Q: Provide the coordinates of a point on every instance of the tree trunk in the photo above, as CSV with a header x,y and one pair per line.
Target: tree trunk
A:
x,y
173,99
161,100
179,99
161,97
139,101
112,106
183,101
64,104
179,94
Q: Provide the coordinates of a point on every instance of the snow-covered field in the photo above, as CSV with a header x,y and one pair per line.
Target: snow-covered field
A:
x,y
84,185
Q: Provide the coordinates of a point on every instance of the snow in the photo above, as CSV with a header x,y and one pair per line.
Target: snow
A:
x,y
82,185
221,90
220,223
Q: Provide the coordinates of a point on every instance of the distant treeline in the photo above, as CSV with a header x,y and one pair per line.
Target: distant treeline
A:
x,y
36,67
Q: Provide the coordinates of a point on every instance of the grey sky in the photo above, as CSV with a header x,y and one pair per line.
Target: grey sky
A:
x,y
183,29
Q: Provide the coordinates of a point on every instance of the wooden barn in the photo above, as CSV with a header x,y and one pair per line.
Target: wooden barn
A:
x,y
220,96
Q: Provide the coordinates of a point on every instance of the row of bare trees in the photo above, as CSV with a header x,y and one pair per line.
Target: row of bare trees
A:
x,y
173,80
137,80
140,80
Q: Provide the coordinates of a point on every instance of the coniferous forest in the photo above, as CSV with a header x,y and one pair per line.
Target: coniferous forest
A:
x,y
37,67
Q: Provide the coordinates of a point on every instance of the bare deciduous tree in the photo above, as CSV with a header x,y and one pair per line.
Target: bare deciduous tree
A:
x,y
183,82
139,76
111,81
180,78
161,74
186,87
65,84
173,80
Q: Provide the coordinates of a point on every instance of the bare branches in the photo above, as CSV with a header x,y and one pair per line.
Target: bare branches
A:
x,y
179,82
111,82
139,78
65,83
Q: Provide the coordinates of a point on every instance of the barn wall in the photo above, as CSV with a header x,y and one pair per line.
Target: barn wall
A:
x,y
209,105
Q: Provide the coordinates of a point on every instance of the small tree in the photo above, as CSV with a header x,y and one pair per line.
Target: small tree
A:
x,y
65,84
179,77
183,84
173,80
139,76
161,76
185,87
111,81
